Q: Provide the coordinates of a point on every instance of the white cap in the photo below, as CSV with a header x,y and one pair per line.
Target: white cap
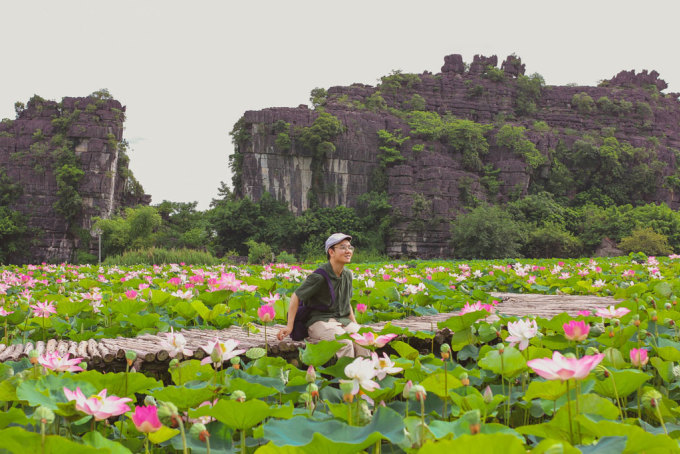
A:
x,y
335,239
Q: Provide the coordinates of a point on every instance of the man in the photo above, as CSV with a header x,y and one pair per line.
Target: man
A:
x,y
340,318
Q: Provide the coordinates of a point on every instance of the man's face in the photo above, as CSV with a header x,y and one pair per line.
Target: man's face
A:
x,y
342,252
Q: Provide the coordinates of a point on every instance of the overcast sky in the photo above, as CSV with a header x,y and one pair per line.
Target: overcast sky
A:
x,y
188,70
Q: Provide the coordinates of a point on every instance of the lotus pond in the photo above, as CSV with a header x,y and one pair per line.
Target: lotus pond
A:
x,y
603,382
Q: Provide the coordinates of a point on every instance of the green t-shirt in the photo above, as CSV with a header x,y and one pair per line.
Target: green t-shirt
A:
x,y
314,290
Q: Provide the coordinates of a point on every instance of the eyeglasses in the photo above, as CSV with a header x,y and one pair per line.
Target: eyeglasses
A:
x,y
345,248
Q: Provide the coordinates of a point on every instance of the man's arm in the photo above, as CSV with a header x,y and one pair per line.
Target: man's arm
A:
x,y
292,310
351,314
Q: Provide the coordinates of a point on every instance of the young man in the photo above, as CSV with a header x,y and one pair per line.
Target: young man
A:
x,y
340,319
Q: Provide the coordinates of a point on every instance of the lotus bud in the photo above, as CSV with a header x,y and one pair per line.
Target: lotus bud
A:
x,y
150,401
487,395
642,333
592,351
669,322
311,374
283,375
238,396
406,393
33,356
173,363
610,332
346,388
364,413
313,390
474,418
199,431
306,398
651,398
653,316
418,392
652,302
464,379
642,308
130,356
235,362
83,365
446,351
167,413
501,348
616,322
216,356
667,306
601,372
570,355
675,302
44,415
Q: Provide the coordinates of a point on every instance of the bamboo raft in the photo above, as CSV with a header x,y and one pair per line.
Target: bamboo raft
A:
x,y
109,354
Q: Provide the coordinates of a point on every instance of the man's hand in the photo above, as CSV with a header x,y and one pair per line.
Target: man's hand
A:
x,y
283,332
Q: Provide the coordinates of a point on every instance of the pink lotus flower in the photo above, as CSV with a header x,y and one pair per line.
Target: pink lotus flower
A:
x,y
369,338
638,356
563,368
576,330
266,313
5,313
218,352
43,309
520,332
478,306
57,363
99,406
585,313
131,294
146,419
271,299
611,312
361,373
361,308
531,279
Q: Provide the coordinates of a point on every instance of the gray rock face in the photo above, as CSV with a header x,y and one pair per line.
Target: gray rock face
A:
x,y
94,127
436,173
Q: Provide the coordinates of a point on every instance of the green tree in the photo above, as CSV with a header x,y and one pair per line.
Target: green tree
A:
x,y
529,90
647,241
486,232
135,229
14,231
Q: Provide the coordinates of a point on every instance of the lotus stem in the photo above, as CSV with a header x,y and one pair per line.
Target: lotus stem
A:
x,y
446,389
658,415
243,441
42,436
571,429
183,433
266,347
422,421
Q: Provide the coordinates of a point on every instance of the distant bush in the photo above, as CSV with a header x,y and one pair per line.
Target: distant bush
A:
x,y
494,74
487,232
552,240
258,252
647,241
285,257
158,256
583,103
528,93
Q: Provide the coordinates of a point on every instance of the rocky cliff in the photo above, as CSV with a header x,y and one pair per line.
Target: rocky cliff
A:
x,y
68,158
534,135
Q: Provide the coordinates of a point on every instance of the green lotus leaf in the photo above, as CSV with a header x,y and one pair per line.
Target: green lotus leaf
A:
x,y
460,322
48,391
253,390
184,398
185,309
72,307
127,306
163,434
623,382
333,436
548,446
606,445
664,368
213,298
19,441
638,440
97,440
256,352
114,383
318,354
434,383
13,416
337,370
405,350
549,389
498,443
270,382
191,370
512,363
238,415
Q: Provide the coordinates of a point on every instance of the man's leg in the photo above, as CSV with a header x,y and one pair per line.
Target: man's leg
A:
x,y
327,331
358,349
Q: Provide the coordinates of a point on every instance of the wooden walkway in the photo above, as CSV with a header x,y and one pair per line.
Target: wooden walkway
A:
x,y
109,354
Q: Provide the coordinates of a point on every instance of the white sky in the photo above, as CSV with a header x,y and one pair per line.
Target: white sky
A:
x,y
188,70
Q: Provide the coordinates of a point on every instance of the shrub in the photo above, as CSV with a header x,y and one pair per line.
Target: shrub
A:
x,y
416,102
647,241
283,141
494,74
318,97
158,256
551,240
285,257
258,252
583,103
512,137
528,93
487,232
